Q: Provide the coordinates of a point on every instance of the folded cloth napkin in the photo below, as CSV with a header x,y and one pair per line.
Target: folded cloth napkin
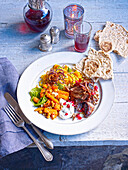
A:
x,y
12,138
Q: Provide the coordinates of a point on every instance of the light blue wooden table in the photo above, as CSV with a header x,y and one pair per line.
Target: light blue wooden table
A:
x,y
22,49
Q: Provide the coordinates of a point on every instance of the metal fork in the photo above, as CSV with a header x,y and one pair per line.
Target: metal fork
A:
x,y
18,121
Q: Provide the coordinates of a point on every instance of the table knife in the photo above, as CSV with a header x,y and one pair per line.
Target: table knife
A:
x,y
16,106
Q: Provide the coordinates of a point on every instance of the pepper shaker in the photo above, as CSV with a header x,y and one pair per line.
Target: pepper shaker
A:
x,y
54,32
45,42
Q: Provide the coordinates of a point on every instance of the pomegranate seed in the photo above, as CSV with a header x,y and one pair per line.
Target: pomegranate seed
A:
x,y
77,115
69,101
80,80
82,109
79,118
64,103
66,114
72,102
77,83
68,105
73,105
93,93
95,88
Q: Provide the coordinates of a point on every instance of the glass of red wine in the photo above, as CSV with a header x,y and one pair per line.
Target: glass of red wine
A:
x,y
82,33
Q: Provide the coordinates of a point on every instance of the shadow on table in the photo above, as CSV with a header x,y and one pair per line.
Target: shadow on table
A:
x,y
65,39
18,30
19,33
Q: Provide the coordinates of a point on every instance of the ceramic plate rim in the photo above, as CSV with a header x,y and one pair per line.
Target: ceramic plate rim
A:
x,y
61,129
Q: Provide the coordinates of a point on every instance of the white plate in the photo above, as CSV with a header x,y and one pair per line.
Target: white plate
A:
x,y
30,79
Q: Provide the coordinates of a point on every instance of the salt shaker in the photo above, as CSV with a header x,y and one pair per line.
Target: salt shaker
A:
x,y
54,32
45,42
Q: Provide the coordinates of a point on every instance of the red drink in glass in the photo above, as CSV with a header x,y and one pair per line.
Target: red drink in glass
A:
x,y
37,20
81,42
37,15
82,32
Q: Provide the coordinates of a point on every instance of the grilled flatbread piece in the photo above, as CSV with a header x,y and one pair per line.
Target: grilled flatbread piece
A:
x,y
113,37
97,65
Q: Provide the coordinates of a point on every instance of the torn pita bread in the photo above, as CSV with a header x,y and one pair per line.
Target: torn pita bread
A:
x,y
97,65
91,68
80,65
113,37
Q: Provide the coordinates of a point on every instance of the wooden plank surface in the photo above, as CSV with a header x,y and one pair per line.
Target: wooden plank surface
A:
x,y
21,48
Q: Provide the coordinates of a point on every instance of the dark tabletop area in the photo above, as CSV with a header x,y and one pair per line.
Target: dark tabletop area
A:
x,y
66,158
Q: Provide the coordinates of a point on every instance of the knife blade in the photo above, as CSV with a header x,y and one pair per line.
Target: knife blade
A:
x,y
16,106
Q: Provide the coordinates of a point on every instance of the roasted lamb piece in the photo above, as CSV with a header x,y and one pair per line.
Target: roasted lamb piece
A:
x,y
83,95
88,108
81,91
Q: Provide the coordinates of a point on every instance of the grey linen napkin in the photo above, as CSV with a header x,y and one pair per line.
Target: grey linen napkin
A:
x,y
12,138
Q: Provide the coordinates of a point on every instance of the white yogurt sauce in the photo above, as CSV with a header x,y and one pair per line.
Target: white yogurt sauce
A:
x,y
65,112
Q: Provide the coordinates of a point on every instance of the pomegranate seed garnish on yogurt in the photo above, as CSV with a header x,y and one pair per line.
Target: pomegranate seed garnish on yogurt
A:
x,y
68,105
67,109
72,102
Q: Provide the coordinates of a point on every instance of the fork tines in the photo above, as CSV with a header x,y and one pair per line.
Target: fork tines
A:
x,y
12,113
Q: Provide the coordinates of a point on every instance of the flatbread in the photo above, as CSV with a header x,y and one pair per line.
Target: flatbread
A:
x,y
97,65
80,65
92,68
113,37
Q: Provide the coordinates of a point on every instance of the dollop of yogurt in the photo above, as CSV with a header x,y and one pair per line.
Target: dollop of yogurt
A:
x,y
67,109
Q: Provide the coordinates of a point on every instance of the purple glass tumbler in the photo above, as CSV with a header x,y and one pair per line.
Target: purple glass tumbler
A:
x,y
72,13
